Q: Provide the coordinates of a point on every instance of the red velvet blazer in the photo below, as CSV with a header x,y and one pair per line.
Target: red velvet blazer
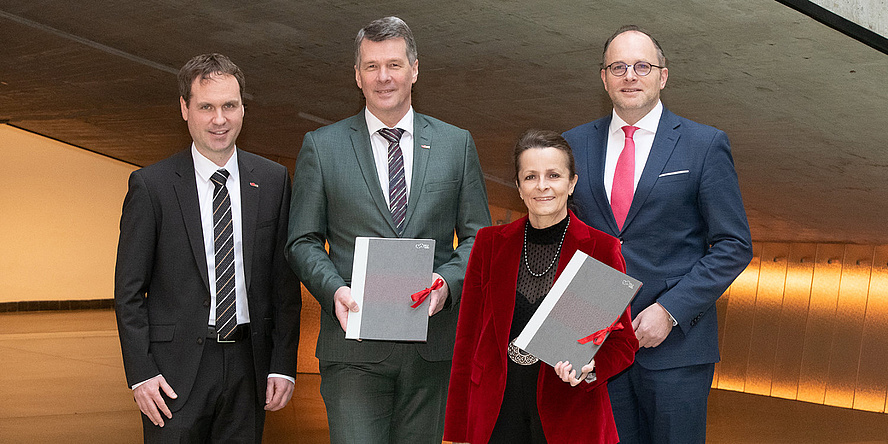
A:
x,y
580,414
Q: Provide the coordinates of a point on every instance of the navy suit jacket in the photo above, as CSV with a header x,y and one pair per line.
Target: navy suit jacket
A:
x,y
686,236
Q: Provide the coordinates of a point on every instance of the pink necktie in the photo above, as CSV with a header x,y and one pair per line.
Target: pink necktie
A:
x,y
624,179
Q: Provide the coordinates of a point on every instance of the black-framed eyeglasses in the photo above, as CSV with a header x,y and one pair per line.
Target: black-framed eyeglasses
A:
x,y
620,69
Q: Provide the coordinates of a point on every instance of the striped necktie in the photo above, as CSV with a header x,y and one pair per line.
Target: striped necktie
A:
x,y
397,182
223,243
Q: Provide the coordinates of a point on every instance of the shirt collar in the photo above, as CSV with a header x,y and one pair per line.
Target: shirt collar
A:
x,y
649,122
205,167
374,124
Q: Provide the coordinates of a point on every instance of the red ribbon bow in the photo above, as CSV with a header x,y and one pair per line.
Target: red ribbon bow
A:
x,y
599,336
420,296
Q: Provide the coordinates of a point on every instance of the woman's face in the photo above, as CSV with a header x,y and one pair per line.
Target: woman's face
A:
x,y
544,183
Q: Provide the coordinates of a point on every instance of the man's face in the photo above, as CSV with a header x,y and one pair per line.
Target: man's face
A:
x,y
633,95
215,115
386,77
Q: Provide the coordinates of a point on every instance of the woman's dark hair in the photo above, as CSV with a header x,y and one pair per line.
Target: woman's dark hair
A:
x,y
537,138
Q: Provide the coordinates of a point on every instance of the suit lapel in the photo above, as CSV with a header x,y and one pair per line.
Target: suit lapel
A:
x,y
249,211
661,150
360,138
595,157
421,137
507,257
186,194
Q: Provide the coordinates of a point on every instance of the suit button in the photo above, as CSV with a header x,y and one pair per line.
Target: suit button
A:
x,y
206,302
200,340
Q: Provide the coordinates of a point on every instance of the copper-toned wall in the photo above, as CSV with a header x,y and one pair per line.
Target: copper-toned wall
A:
x,y
804,321
808,322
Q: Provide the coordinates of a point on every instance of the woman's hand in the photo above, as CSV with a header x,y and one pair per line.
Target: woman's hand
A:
x,y
565,371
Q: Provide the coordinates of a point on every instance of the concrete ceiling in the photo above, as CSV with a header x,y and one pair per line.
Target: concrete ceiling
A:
x,y
804,105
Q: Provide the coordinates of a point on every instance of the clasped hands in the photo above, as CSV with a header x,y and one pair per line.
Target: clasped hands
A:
x,y
343,303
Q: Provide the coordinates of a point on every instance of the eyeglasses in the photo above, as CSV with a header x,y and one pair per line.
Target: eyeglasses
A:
x,y
620,69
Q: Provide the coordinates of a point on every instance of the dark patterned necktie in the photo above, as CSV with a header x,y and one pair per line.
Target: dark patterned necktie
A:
x,y
397,182
223,242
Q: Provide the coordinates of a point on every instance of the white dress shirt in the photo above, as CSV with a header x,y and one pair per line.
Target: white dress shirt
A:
x,y
380,149
644,140
616,139
203,170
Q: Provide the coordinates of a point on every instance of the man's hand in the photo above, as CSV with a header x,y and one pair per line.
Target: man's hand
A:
x,y
151,402
438,297
277,393
652,325
343,304
568,375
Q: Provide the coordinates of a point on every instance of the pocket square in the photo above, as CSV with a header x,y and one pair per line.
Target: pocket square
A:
x,y
674,173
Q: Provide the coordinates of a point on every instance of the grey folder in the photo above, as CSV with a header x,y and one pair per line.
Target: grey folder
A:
x,y
587,297
386,271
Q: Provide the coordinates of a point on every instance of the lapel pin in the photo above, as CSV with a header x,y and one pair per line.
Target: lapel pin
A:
x,y
425,146
254,185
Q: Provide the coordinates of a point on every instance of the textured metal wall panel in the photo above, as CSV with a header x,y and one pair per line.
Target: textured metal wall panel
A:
x,y
793,318
766,320
820,325
844,357
872,379
738,326
721,308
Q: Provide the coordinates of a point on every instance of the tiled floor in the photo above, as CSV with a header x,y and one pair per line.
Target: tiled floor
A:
x,y
61,381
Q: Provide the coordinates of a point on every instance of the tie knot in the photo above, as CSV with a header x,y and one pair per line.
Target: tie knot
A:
x,y
629,130
393,135
219,177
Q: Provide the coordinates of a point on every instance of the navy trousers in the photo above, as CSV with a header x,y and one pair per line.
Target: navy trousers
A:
x,y
661,406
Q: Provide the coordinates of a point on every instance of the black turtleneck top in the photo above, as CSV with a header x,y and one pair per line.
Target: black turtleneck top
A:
x,y
541,246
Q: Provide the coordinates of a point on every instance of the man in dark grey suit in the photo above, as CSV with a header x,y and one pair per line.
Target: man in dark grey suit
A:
x,y
378,391
207,309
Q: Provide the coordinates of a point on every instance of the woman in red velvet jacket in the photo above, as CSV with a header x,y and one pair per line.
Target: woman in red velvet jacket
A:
x,y
497,392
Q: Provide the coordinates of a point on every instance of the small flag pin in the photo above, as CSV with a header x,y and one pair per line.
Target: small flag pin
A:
x,y
425,146
254,185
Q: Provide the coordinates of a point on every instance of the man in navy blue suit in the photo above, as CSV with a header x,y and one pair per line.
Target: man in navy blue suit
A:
x,y
666,187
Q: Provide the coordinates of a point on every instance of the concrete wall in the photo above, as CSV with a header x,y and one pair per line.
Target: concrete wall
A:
x,y
871,14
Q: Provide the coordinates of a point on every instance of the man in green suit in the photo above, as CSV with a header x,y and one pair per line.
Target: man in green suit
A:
x,y
386,172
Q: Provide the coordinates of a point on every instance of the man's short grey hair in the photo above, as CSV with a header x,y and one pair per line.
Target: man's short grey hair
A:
x,y
386,28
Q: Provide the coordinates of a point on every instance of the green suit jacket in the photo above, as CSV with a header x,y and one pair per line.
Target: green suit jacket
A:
x,y
337,197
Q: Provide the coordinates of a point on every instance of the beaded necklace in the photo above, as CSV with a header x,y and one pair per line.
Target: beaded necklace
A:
x,y
554,259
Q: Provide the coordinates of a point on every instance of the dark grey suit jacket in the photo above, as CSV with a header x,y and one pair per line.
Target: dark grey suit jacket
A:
x,y
337,197
162,291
